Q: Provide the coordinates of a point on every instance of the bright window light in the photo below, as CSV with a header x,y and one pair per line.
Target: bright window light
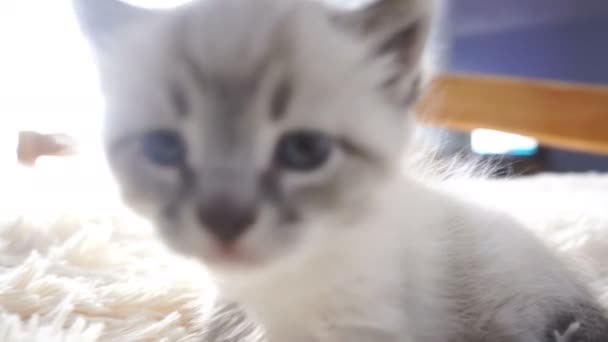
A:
x,y
487,141
48,78
48,81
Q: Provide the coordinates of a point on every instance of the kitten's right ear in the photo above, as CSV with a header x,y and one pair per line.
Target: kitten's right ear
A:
x,y
102,20
398,29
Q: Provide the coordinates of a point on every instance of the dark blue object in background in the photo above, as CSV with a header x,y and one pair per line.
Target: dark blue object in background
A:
x,y
569,44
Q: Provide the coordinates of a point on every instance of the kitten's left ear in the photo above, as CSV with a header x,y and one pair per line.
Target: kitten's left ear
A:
x,y
102,20
396,28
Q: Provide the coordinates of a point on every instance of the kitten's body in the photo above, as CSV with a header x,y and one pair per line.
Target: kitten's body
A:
x,y
441,270
200,104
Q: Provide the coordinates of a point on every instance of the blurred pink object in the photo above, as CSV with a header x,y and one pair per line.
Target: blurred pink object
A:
x,y
33,145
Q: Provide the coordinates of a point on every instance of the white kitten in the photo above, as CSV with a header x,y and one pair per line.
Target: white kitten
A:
x,y
264,137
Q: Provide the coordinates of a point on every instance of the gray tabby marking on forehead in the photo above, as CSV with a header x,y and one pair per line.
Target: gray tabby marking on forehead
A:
x,y
190,64
232,40
231,90
179,99
221,82
280,99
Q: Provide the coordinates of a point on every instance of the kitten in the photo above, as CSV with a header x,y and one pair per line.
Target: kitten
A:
x,y
263,137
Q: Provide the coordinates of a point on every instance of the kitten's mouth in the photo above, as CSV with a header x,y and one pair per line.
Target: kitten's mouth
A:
x,y
232,257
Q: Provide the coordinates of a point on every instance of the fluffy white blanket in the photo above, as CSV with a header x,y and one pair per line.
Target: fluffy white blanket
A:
x,y
75,266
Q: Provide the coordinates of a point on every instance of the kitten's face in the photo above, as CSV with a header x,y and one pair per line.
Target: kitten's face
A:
x,y
253,132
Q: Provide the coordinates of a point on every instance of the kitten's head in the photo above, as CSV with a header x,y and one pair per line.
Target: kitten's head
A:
x,y
245,128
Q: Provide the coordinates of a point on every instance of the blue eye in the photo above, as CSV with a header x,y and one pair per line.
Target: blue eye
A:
x,y
303,150
164,148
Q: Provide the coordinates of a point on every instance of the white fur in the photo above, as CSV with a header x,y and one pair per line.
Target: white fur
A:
x,y
68,246
393,260
387,277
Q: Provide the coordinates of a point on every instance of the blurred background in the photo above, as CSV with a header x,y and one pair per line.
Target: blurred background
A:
x,y
48,81
558,40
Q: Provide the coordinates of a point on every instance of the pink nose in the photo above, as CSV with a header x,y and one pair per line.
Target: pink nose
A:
x,y
226,218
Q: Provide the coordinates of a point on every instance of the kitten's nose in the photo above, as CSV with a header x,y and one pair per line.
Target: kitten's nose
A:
x,y
226,217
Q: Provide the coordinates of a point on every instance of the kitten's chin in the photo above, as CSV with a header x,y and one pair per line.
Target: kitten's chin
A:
x,y
231,261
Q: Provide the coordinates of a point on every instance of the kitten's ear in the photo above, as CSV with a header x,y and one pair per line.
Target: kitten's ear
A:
x,y
398,29
102,20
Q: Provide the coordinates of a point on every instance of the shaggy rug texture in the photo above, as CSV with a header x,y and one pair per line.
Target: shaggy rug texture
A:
x,y
76,266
